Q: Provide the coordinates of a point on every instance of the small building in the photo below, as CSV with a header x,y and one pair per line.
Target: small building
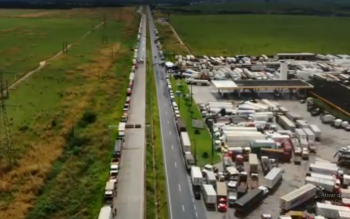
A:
x,y
296,56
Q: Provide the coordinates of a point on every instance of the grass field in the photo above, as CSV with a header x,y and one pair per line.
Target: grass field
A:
x,y
306,7
262,34
31,36
202,141
155,176
59,119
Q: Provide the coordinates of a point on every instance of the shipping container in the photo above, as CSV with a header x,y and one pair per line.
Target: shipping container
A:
x,y
298,197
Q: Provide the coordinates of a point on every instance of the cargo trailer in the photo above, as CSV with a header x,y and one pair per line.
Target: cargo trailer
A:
x,y
324,169
316,131
249,201
273,178
298,197
329,210
197,181
209,196
286,123
185,142
221,190
253,163
327,185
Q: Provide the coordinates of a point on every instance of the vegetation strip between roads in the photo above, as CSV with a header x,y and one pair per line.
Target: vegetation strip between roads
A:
x,y
156,201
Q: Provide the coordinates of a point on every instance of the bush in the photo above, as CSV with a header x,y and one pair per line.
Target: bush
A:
x,y
205,155
197,132
87,118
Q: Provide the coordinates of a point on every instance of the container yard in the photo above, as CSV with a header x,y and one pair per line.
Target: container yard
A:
x,y
278,159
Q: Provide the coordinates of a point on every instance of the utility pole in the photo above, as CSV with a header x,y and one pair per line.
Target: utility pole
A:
x,y
6,146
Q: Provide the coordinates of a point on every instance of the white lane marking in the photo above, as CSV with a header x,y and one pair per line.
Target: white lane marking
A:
x,y
169,132
193,201
179,188
175,164
195,207
172,147
168,121
183,207
196,214
164,104
166,113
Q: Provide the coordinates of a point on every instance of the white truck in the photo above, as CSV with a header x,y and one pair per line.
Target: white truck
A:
x,y
197,181
324,169
343,215
320,176
209,196
298,197
302,124
185,142
311,138
327,185
273,177
293,116
329,210
316,131
301,135
210,178
286,123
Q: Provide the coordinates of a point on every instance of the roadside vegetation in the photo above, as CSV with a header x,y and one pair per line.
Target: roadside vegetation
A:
x,y
59,119
335,111
307,7
156,192
200,138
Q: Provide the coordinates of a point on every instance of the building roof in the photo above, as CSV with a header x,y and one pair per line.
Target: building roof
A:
x,y
272,84
224,84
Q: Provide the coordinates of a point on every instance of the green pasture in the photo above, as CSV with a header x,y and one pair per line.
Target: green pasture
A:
x,y
25,42
262,34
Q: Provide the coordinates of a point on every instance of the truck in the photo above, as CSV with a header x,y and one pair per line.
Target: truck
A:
x,y
265,164
320,176
277,154
316,131
273,178
327,185
302,124
209,196
287,150
197,181
189,161
329,210
253,163
221,190
311,139
286,123
185,142
210,177
297,197
110,189
105,212
343,215
250,200
324,169
297,155
293,117
118,146
300,134
232,198
254,181
114,167
242,184
181,126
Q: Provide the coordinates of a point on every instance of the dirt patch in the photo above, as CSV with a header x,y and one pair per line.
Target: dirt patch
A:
x,y
37,162
38,14
8,30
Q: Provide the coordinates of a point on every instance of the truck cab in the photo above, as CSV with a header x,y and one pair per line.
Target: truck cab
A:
x,y
114,168
232,198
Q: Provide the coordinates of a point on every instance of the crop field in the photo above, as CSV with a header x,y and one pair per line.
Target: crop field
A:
x,y
262,34
59,116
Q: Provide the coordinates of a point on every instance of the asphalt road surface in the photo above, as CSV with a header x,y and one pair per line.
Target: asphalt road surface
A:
x,y
130,199
180,197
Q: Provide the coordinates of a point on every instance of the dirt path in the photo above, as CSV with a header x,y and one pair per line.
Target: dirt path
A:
x,y
178,37
42,64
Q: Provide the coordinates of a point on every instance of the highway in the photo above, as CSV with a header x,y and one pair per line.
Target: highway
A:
x,y
182,204
129,201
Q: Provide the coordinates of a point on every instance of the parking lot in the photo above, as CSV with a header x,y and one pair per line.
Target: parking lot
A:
x,y
294,175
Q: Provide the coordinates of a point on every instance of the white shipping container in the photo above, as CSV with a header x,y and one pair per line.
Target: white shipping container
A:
x,y
300,134
316,131
227,129
346,180
286,123
298,197
196,176
302,124
344,215
324,169
321,176
186,143
329,210
328,185
209,194
273,177
310,135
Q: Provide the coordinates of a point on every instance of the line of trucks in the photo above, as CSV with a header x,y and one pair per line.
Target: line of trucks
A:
x,y
233,189
110,190
185,144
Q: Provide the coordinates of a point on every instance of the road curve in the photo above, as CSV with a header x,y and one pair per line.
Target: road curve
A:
x,y
181,202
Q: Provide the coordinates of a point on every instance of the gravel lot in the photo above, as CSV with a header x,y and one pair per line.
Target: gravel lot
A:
x,y
294,175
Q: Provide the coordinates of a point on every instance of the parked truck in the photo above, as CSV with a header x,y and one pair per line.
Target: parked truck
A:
x,y
277,154
242,184
232,198
327,185
189,161
297,197
329,210
110,190
324,169
273,178
286,123
209,196
181,126
316,131
253,163
221,190
250,200
197,181
114,168
297,155
254,181
185,142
